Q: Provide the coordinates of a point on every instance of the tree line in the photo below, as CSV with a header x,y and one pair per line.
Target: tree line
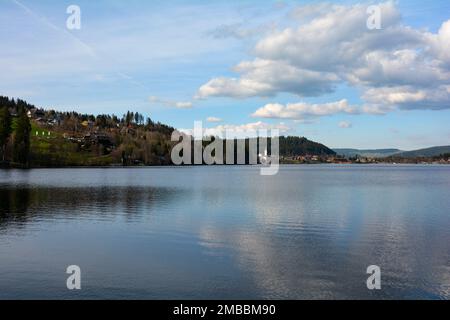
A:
x,y
15,131
86,139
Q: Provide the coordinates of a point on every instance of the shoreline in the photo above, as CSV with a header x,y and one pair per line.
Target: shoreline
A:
x,y
230,165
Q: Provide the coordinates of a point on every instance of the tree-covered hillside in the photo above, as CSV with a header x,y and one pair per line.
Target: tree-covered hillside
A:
x,y
34,137
296,146
428,152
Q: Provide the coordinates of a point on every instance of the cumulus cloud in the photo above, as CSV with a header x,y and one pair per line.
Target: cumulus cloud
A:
x,y
304,110
171,103
440,44
409,97
337,38
267,78
398,68
395,67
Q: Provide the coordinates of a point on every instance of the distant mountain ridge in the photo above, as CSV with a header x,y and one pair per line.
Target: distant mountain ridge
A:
x,y
371,153
428,152
384,153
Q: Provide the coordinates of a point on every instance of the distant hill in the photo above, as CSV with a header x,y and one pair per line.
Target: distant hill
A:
x,y
299,146
384,153
428,152
375,153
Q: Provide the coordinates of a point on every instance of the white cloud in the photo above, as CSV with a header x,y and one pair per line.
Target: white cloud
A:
x,y
337,38
243,130
409,97
440,44
395,67
235,88
213,119
172,104
345,124
267,78
304,110
183,105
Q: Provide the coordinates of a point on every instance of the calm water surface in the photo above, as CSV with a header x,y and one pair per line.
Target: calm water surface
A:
x,y
309,232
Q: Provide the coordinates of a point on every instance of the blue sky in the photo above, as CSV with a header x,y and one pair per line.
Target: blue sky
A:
x,y
301,66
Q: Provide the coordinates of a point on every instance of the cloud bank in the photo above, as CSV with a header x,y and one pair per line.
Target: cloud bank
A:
x,y
396,67
302,110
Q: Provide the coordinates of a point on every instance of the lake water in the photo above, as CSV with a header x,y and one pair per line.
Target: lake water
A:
x,y
309,232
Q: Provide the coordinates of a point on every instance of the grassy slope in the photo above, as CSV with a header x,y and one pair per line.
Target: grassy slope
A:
x,y
54,150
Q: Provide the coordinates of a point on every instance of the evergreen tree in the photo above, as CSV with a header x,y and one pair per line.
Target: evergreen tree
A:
x,y
21,145
136,118
5,130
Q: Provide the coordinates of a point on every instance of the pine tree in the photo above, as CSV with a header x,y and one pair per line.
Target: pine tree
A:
x,y
21,144
136,118
5,130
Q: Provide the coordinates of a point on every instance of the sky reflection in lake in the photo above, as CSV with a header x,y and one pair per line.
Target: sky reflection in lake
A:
x,y
226,232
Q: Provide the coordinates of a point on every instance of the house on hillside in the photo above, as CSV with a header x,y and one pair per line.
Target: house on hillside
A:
x,y
99,139
35,113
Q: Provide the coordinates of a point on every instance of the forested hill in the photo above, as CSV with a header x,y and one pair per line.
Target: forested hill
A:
x,y
395,153
296,146
428,152
35,137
